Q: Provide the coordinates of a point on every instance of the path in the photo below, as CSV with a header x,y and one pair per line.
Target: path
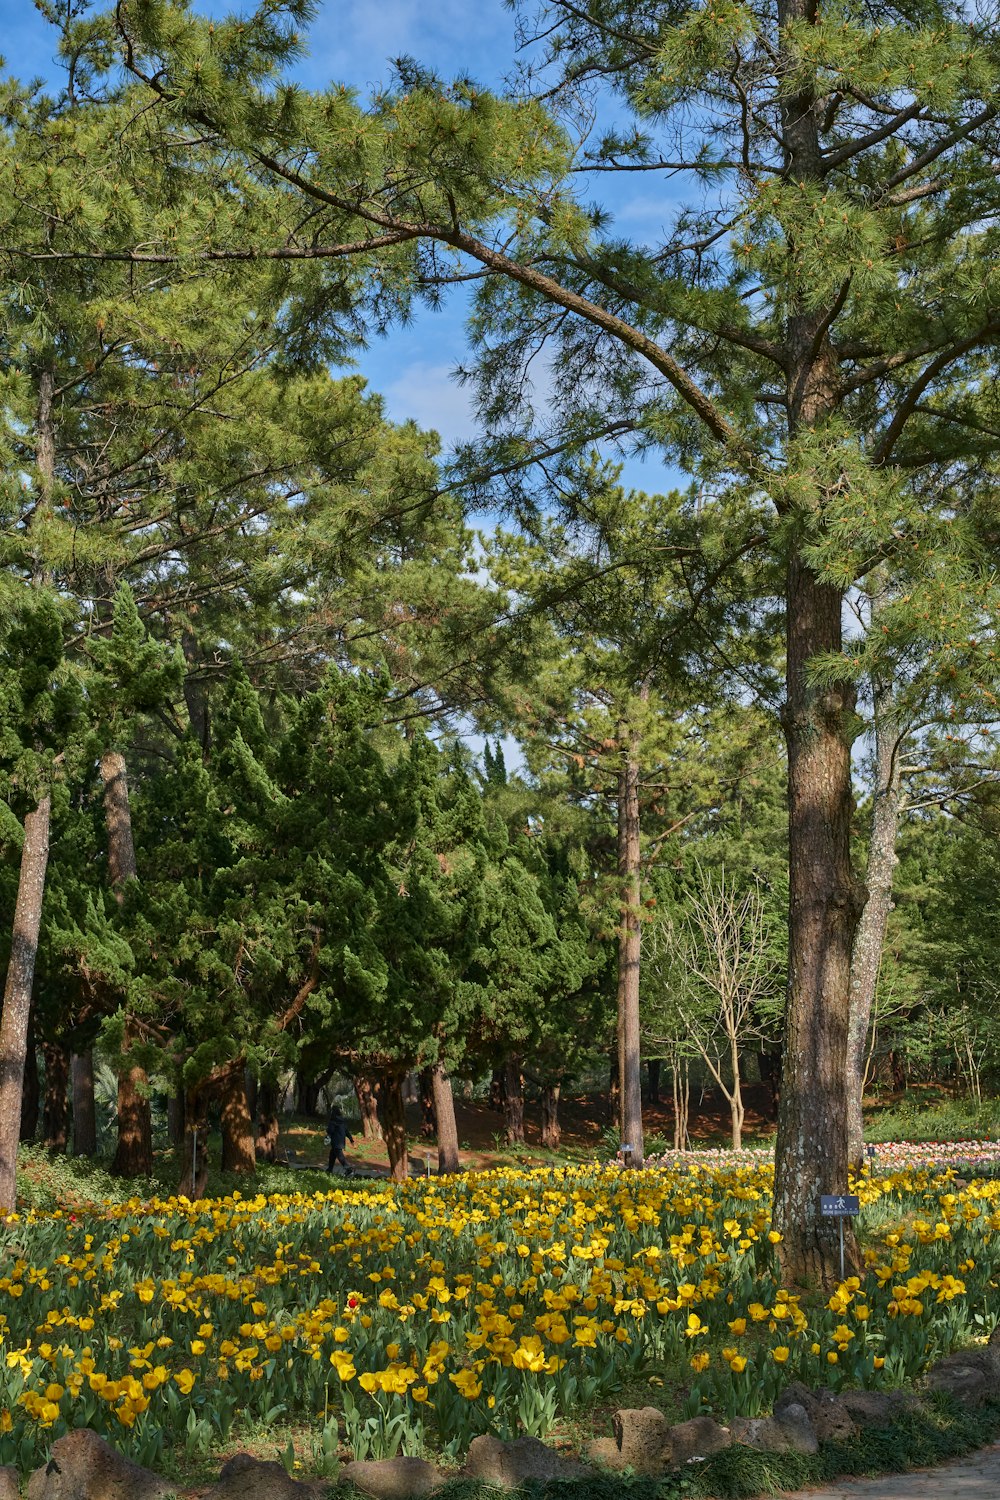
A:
x,y
975,1477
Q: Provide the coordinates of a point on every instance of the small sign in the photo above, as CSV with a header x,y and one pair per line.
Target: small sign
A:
x,y
839,1205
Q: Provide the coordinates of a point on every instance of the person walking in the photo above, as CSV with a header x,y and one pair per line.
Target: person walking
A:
x,y
338,1135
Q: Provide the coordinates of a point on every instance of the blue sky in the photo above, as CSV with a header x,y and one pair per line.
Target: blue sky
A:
x,y
353,42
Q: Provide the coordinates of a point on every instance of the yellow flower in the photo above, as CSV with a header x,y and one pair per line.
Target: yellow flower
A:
x,y
699,1362
184,1380
780,1354
468,1383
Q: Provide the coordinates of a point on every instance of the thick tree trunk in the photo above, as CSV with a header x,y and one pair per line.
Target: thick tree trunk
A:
x,y
394,1125
367,1092
737,1112
653,1071
869,938
30,1092
267,1121
134,1152
16,1015
629,1056
428,1100
447,1126
81,1070
513,1101
55,1120
551,1130
238,1153
811,1150
819,724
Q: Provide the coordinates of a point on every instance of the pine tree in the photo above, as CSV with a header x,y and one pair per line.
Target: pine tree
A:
x,y
796,332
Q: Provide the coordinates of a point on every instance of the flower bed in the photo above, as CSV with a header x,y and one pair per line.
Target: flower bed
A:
x,y
442,1309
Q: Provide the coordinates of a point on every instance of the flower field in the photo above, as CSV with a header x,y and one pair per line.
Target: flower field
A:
x,y
415,1317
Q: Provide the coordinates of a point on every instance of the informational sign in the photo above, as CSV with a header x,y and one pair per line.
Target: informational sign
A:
x,y
839,1205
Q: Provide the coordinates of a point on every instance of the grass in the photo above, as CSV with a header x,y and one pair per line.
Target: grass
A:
x,y
940,1118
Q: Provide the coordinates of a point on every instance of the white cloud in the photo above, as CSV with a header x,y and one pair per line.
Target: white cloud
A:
x,y
429,395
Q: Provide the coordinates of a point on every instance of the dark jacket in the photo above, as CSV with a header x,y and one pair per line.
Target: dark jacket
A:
x,y
336,1129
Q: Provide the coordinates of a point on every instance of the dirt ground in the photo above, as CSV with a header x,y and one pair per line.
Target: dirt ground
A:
x,y
584,1119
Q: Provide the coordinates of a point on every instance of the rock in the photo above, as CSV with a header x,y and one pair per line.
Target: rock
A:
x,y
791,1432
697,1438
84,1467
972,1376
392,1478
643,1437
8,1482
509,1464
878,1408
244,1477
605,1452
830,1418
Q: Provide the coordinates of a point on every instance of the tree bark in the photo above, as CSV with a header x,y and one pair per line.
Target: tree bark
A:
x,y
30,1097
366,1090
513,1101
682,1103
818,720
551,1130
81,1070
194,1163
428,1101
267,1121
811,1149
55,1119
869,938
629,1054
306,1095
16,1015
614,1092
444,1114
394,1125
134,1152
175,1117
653,1072
238,1153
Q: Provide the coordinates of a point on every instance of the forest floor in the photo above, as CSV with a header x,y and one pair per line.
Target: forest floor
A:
x,y
585,1123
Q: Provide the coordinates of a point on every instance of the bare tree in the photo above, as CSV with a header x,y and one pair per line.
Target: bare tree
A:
x,y
712,971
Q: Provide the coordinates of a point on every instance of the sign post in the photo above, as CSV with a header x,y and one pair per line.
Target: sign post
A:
x,y
840,1206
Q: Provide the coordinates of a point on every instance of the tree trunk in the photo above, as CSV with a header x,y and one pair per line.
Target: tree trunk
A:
x,y
428,1101
682,1104
16,1015
175,1117
629,1056
819,724
194,1161
30,1097
811,1149
267,1121
551,1130
447,1127
307,1095
513,1101
869,939
737,1113
653,1072
394,1125
55,1120
238,1153
769,1063
897,1071
81,1071
367,1091
134,1152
